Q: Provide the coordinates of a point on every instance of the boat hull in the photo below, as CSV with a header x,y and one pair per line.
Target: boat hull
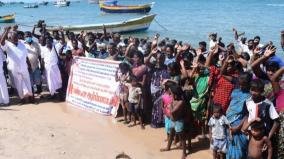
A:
x,y
144,10
125,9
32,6
7,19
133,25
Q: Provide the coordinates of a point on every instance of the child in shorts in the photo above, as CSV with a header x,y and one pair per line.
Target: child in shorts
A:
x,y
218,126
134,99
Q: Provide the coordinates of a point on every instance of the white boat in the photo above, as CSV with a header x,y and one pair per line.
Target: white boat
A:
x,y
30,5
62,3
131,25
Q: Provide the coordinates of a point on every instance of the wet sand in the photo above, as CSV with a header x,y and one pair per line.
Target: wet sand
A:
x,y
59,131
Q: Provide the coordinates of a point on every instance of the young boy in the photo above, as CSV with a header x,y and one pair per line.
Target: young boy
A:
x,y
258,141
259,107
218,125
134,99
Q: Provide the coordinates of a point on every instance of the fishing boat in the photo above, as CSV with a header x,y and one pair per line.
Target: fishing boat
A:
x,y
44,3
31,5
7,18
132,25
61,3
113,7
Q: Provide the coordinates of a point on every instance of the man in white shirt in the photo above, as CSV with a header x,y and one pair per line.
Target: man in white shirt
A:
x,y
17,63
256,41
4,96
241,42
52,71
212,41
34,56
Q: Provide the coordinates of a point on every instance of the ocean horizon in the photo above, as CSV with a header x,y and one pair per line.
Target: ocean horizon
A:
x,y
185,20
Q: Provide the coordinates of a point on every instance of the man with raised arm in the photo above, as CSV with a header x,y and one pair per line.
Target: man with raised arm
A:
x,y
18,64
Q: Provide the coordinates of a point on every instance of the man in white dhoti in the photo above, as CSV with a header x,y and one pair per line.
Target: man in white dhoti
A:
x,y
17,64
50,58
4,96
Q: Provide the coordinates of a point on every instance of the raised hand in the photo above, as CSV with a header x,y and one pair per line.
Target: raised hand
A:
x,y
269,51
154,51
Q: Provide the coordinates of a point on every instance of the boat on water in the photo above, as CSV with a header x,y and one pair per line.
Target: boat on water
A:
x,y
31,5
61,3
44,3
131,25
113,7
7,18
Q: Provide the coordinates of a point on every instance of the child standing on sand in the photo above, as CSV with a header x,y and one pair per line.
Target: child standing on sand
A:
x,y
177,108
258,141
218,125
165,104
260,107
123,76
134,99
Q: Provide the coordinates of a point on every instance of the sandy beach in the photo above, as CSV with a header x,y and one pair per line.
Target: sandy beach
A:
x,y
59,131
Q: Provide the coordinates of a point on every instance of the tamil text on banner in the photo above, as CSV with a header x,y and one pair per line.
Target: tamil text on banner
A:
x,y
92,85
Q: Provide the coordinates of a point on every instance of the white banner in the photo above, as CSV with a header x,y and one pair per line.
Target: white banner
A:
x,y
92,85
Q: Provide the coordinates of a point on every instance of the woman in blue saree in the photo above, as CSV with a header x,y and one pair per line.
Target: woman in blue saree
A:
x,y
237,145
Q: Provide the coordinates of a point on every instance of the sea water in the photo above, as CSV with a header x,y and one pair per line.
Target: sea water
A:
x,y
185,20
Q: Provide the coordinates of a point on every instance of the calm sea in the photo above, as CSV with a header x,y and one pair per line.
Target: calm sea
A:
x,y
186,20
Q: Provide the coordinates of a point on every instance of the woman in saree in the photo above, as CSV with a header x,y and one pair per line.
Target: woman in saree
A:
x,y
199,78
237,145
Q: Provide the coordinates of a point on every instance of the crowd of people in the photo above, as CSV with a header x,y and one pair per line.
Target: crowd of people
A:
x,y
235,90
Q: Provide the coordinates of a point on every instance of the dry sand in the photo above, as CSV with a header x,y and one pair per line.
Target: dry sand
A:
x,y
57,131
